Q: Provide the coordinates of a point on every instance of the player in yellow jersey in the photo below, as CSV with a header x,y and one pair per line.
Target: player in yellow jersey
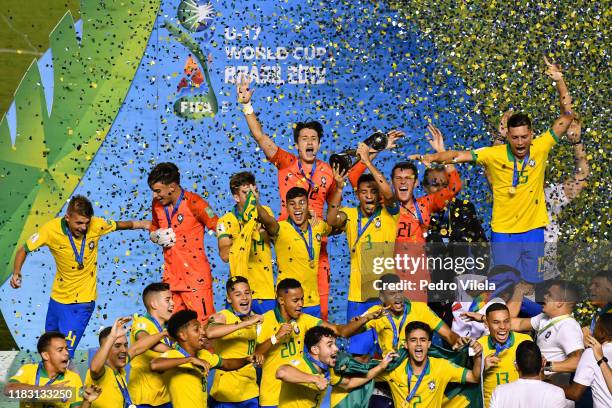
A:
x,y
237,233
185,367
146,387
281,338
370,233
516,173
400,311
306,378
50,382
297,242
499,349
420,381
234,331
107,367
73,241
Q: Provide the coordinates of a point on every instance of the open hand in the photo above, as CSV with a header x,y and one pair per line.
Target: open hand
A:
x,y
553,70
437,139
392,138
244,92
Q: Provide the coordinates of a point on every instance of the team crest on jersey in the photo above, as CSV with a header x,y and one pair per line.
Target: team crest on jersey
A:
x,y
548,335
432,385
180,218
532,163
378,223
91,245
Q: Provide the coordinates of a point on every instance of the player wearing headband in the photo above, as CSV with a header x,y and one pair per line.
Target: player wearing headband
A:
x,y
234,331
179,220
73,242
146,387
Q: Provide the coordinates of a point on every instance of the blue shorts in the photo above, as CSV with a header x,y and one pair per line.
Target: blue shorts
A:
x,y
70,320
261,306
252,403
362,343
522,251
313,310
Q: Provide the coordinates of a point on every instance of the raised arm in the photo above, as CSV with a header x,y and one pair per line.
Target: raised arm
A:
x,y
335,217
565,100
520,324
98,362
20,257
161,364
145,343
574,184
355,325
473,376
135,224
354,382
267,221
383,186
264,141
218,328
290,374
502,130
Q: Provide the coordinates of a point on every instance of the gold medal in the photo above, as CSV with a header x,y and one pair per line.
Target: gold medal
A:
x,y
512,190
311,263
81,266
443,231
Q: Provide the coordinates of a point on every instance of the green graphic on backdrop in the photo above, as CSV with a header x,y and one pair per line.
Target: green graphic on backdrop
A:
x,y
52,151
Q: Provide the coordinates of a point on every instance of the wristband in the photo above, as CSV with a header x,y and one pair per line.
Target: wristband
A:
x,y
602,360
273,339
247,108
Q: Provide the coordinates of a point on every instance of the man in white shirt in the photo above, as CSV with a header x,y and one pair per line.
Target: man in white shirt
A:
x,y
592,371
558,334
529,391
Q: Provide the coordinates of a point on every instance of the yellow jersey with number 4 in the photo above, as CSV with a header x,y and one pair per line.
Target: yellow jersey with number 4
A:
x,y
524,209
71,284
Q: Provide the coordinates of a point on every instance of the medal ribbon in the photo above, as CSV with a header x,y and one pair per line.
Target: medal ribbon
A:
x,y
37,381
174,209
324,367
499,347
394,328
603,311
360,230
166,340
309,246
515,173
552,323
419,379
417,211
78,256
312,172
127,400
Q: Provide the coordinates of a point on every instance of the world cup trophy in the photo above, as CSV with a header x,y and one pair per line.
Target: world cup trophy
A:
x,y
345,160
